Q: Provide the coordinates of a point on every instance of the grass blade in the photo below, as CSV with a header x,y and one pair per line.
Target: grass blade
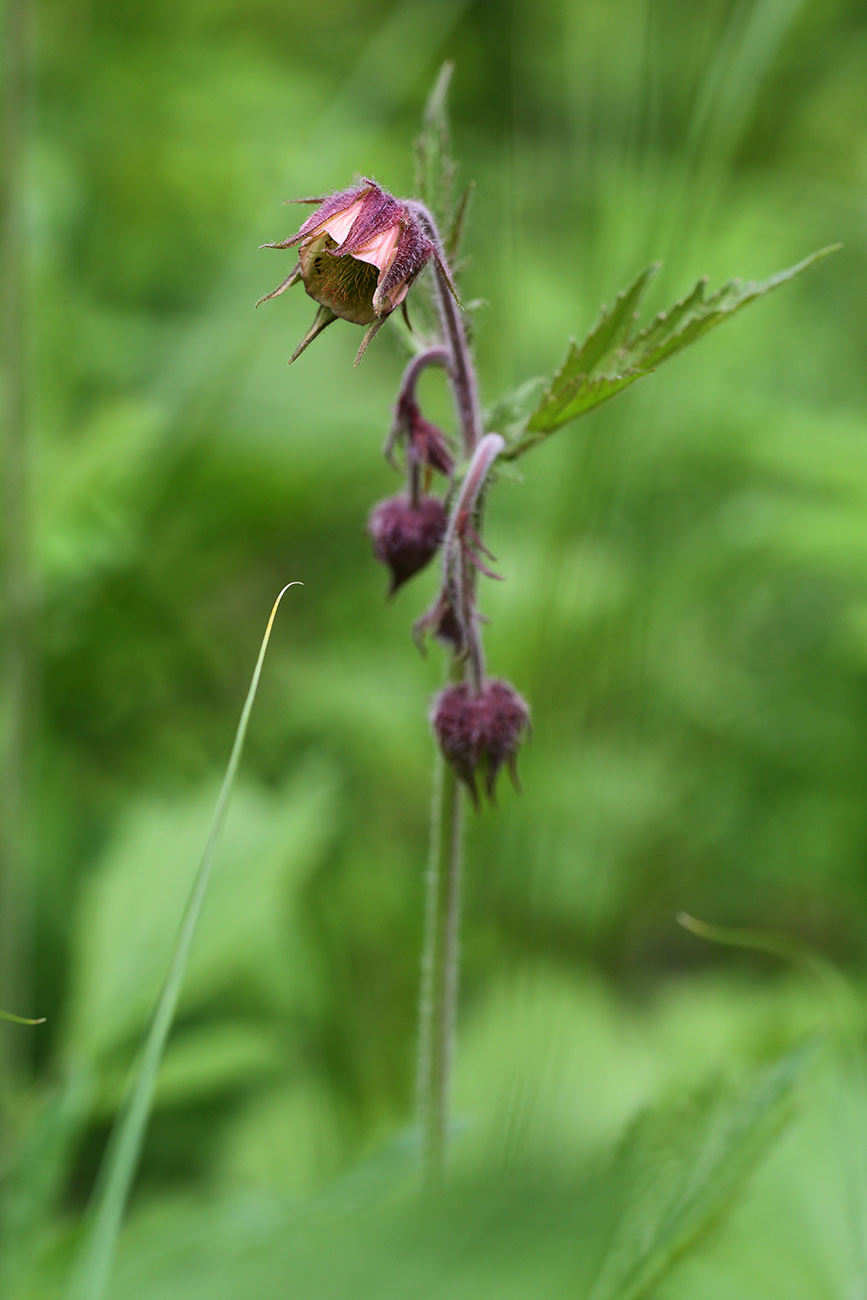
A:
x,y
90,1276
21,1020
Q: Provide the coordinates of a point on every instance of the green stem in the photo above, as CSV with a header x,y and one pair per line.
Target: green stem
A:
x,y
16,587
439,985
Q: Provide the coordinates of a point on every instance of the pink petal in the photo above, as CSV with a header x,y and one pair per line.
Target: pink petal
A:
x,y
379,250
339,226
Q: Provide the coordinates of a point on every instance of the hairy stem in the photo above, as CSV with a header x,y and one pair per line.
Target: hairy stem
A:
x,y
461,370
401,420
439,985
434,356
459,577
440,959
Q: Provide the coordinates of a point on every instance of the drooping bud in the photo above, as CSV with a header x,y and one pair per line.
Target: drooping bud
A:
x,y
440,621
406,536
358,254
479,733
427,443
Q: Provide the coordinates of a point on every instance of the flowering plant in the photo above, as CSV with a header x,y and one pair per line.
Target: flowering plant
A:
x,y
359,254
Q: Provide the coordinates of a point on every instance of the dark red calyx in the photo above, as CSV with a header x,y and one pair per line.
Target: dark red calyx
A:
x,y
429,444
405,536
481,732
442,622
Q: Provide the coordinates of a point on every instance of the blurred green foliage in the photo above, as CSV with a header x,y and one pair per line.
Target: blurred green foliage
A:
x,y
685,608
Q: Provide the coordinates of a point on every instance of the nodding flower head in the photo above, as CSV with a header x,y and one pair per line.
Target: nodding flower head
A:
x,y
358,254
406,536
480,732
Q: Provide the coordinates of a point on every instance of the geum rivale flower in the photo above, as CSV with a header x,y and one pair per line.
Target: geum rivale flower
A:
x,y
358,254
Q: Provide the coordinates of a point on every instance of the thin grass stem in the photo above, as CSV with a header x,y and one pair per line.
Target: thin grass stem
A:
x,y
90,1278
15,581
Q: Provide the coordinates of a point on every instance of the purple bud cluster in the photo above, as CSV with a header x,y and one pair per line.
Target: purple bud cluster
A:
x,y
481,732
359,253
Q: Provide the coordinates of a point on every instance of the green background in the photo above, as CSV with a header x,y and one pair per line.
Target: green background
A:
x,y
685,604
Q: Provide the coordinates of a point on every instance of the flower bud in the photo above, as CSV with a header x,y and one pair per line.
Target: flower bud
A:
x,y
480,732
358,254
406,536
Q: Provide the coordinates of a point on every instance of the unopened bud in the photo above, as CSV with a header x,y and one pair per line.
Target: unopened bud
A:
x,y
358,254
428,444
480,733
406,536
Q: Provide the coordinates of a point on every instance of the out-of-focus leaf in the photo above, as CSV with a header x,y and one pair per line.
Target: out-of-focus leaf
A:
x,y
510,415
289,1140
455,233
802,1232
203,1062
610,1233
612,357
676,1173
132,906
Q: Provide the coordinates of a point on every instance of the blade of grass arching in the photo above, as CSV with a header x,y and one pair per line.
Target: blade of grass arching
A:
x,y
90,1276
20,1020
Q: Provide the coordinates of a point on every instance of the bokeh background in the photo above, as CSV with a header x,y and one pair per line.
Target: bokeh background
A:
x,y
685,603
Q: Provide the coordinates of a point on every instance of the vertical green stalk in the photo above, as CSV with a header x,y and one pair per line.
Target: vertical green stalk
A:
x,y
15,579
439,984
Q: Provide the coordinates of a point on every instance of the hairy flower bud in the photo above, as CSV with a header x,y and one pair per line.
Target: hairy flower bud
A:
x,y
358,254
480,732
406,536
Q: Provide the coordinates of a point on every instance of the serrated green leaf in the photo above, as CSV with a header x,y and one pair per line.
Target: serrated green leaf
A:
x,y
695,315
595,369
612,357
